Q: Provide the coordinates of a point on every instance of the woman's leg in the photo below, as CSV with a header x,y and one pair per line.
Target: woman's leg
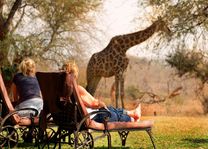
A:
x,y
121,114
100,117
116,115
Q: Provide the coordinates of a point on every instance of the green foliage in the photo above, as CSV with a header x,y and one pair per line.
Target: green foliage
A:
x,y
48,29
188,21
132,92
5,48
8,72
183,61
64,14
191,63
184,15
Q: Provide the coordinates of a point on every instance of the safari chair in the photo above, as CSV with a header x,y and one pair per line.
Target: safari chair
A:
x,y
63,112
123,128
11,124
60,102
72,118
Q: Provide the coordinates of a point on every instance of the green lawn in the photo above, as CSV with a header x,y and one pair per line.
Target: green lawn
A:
x,y
169,133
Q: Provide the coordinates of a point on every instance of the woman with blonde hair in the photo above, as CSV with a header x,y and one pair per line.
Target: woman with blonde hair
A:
x,y
25,87
91,103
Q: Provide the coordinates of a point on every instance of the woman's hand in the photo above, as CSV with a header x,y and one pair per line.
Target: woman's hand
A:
x,y
102,105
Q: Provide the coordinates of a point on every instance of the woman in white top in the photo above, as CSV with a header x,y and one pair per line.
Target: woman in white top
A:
x,y
117,114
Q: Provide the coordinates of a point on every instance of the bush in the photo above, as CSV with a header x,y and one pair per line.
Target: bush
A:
x,y
133,92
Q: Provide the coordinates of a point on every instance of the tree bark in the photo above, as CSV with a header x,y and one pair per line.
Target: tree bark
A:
x,y
5,23
1,18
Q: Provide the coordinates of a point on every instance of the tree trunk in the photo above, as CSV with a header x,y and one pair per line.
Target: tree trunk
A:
x,y
5,23
205,105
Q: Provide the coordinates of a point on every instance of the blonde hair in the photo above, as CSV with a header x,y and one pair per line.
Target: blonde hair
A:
x,y
70,66
27,67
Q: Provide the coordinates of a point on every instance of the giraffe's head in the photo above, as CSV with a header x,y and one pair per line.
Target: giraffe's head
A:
x,y
161,25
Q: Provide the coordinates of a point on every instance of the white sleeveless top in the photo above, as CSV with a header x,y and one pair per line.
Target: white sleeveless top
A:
x,y
89,110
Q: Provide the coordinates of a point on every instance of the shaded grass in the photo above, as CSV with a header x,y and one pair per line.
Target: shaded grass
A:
x,y
169,133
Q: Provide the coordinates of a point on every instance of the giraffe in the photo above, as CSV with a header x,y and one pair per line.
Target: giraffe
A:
x,y
112,60
112,93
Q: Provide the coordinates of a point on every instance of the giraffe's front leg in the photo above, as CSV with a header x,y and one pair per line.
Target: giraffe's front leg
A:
x,y
122,90
92,84
112,93
117,89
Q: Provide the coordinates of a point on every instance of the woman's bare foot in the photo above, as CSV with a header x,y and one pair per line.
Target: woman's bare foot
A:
x,y
137,113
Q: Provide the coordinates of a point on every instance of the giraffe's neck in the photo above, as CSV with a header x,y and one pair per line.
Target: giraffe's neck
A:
x,y
140,36
129,40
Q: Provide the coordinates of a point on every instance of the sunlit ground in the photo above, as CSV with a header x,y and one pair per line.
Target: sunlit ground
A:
x,y
169,133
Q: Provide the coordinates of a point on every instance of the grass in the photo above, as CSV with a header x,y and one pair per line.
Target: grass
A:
x,y
169,133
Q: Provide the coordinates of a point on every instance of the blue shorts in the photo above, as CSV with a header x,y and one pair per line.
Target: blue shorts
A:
x,y
117,115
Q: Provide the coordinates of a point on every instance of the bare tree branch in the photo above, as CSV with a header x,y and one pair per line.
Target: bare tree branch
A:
x,y
154,98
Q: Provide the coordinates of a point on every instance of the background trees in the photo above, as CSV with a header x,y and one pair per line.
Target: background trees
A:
x,y
184,17
43,29
54,30
189,22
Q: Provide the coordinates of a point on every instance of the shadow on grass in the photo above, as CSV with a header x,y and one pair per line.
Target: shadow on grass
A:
x,y
24,145
30,145
112,147
196,140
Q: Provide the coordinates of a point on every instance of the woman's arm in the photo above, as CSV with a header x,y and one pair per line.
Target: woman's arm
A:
x,y
89,101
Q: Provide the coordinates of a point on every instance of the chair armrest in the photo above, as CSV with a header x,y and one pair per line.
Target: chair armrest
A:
x,y
99,112
16,112
92,113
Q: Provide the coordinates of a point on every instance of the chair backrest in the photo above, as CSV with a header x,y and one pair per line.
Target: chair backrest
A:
x,y
60,84
82,110
6,100
51,85
81,107
54,86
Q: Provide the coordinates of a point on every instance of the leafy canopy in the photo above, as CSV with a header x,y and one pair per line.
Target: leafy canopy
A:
x,y
45,29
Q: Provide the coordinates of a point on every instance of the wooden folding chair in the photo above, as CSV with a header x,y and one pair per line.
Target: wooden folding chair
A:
x,y
72,118
12,121
123,128
52,85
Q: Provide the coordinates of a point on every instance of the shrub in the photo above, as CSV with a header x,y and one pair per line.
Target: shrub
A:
x,y
133,92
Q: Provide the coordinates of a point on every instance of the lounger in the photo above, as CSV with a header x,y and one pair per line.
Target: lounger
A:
x,y
75,120
123,128
12,121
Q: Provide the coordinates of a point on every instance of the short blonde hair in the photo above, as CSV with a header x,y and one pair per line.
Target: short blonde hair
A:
x,y
27,67
70,66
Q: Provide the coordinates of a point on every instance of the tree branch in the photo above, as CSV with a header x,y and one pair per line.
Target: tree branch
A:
x,y
19,21
15,7
1,12
158,99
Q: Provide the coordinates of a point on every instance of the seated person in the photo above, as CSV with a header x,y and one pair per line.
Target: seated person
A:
x,y
25,88
117,114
